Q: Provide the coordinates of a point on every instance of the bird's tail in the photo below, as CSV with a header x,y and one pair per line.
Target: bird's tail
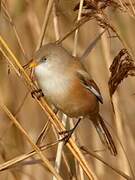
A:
x,y
104,134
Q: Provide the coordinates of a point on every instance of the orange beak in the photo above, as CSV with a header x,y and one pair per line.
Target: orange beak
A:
x,y
33,64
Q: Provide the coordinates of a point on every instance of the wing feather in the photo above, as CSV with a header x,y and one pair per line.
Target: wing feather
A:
x,y
89,84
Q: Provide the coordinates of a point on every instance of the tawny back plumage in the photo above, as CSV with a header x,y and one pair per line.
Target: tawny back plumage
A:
x,y
68,86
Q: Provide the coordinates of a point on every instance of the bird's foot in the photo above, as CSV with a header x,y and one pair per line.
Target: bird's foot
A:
x,y
67,135
37,93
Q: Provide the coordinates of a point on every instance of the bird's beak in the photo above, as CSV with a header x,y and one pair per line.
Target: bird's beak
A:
x,y
33,64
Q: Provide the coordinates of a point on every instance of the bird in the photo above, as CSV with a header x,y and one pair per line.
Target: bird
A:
x,y
67,85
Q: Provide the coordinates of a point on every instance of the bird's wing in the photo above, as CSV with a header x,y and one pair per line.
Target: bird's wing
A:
x,y
89,84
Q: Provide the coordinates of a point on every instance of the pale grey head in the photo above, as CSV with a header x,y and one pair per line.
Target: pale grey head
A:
x,y
52,56
52,60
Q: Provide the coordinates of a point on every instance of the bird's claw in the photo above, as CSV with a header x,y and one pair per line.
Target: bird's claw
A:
x,y
67,135
37,93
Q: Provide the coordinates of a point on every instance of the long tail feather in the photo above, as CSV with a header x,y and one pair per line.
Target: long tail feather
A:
x,y
104,135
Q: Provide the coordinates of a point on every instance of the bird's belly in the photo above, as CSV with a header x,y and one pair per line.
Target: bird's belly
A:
x,y
79,106
79,102
73,100
56,90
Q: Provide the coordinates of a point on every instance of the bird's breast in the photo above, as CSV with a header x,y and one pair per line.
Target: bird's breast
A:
x,y
55,88
68,94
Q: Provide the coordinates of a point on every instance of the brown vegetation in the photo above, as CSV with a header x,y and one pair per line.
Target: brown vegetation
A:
x,y
24,27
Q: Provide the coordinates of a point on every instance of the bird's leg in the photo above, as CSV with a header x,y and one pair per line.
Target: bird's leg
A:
x,y
38,93
68,133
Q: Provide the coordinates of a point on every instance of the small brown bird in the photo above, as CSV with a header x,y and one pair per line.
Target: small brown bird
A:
x,y
67,85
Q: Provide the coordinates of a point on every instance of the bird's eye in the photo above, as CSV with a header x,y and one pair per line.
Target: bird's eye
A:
x,y
43,59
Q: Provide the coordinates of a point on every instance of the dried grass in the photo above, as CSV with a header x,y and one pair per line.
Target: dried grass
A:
x,y
121,67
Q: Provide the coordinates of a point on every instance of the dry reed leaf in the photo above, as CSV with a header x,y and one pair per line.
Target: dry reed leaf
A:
x,y
95,10
119,172
128,7
46,162
20,160
121,67
11,22
91,7
101,4
52,117
46,18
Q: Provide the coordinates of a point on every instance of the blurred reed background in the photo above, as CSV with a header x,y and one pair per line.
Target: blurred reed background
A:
x,y
28,16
